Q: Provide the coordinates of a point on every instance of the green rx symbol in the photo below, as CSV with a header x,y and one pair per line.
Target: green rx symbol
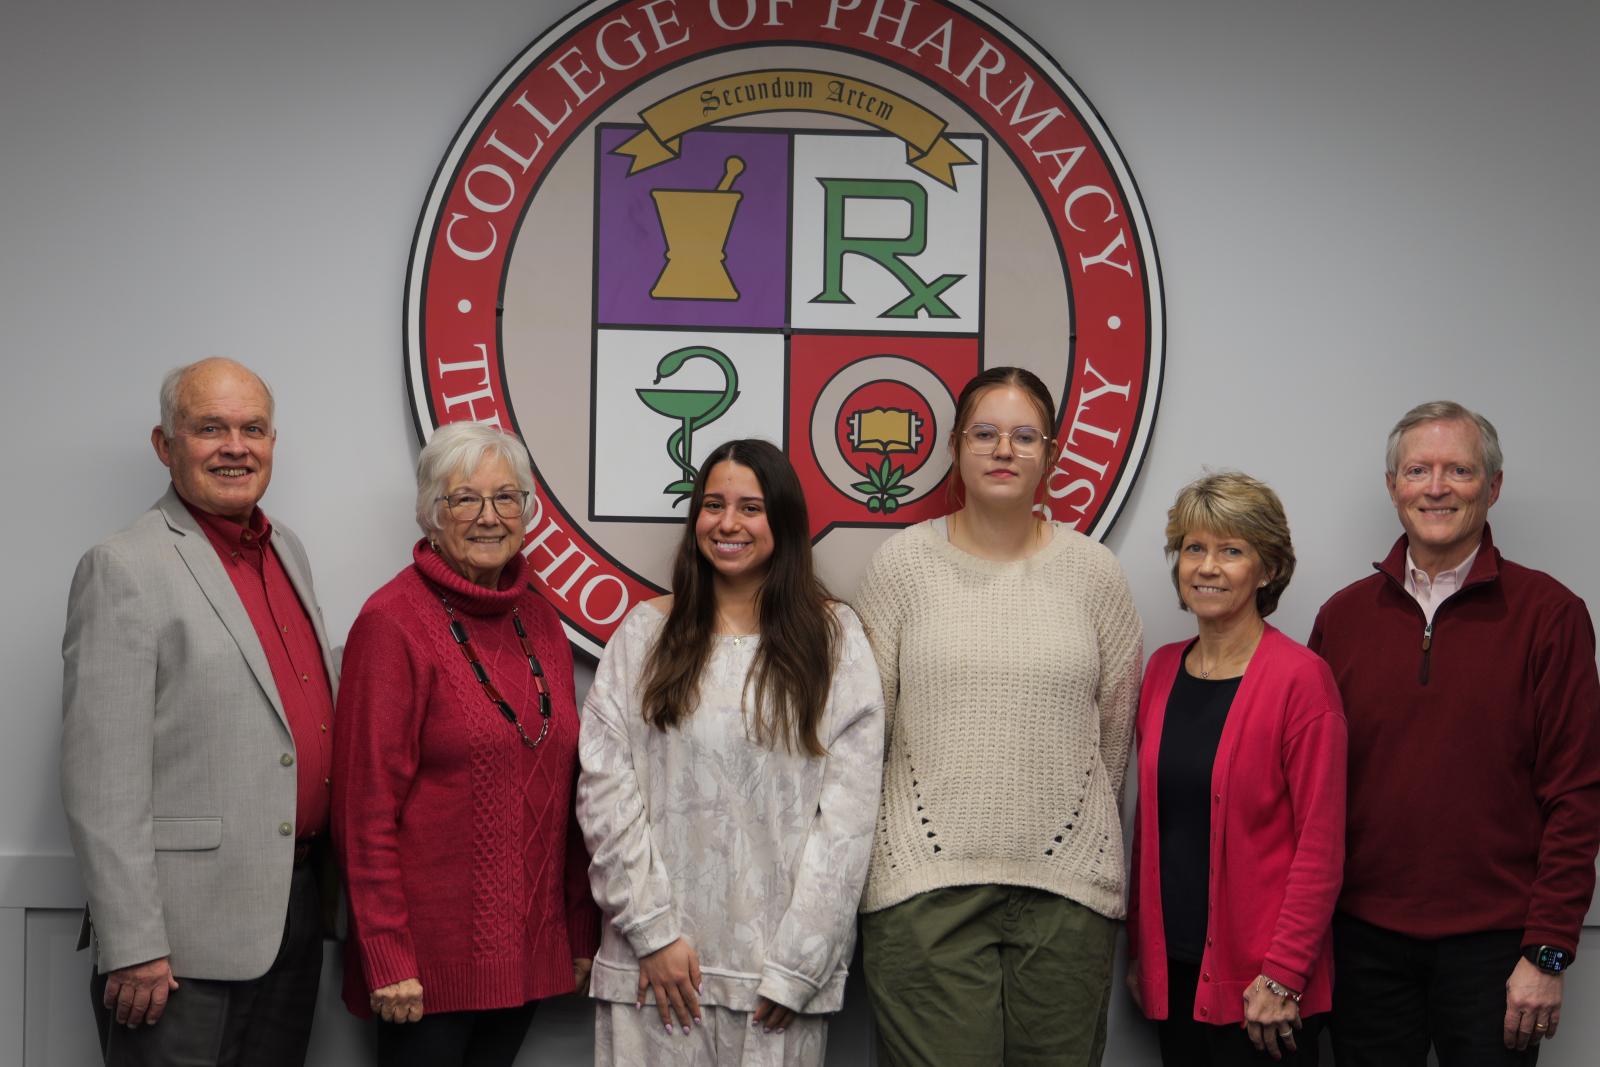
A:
x,y
887,252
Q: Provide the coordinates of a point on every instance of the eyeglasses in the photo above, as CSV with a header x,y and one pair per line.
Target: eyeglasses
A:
x,y
982,439
466,507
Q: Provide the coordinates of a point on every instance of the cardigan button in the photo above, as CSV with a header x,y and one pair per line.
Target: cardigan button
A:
x,y
1208,942
1206,977
1205,1011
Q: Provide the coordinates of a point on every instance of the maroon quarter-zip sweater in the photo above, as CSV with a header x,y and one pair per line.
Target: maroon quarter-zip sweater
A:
x,y
1474,784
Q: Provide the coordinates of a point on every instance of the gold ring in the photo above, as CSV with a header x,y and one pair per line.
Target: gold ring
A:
x,y
1540,1026
1286,1032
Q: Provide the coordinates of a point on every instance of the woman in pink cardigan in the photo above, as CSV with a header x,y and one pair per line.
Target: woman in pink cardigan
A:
x,y
1239,833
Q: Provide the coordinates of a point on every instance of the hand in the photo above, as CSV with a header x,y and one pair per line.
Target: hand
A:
x,y
1533,1005
771,1016
673,973
139,993
1131,980
398,1003
1270,1019
580,975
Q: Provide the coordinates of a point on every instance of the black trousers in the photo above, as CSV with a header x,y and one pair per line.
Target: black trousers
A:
x,y
488,1038
1394,996
1187,1043
264,1022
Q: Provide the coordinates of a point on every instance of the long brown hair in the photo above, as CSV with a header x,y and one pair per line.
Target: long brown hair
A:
x,y
793,670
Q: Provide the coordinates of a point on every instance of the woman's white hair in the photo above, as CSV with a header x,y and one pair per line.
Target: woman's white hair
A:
x,y
459,448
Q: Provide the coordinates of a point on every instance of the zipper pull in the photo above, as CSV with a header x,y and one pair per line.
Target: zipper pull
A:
x,y
1427,643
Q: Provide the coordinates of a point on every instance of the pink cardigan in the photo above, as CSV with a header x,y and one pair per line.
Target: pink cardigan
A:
x,y
1277,834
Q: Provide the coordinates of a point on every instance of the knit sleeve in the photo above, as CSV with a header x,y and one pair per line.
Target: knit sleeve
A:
x,y
1121,638
1314,757
1147,689
1566,774
878,604
627,874
818,927
377,729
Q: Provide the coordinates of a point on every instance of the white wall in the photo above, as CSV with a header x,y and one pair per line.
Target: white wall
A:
x,y
1357,206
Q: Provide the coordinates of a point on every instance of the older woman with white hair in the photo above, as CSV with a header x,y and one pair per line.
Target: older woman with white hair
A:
x,y
455,762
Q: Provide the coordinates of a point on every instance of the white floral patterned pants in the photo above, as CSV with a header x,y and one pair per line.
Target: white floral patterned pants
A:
x,y
625,1036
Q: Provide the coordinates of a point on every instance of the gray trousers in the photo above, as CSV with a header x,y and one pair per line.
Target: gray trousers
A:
x,y
264,1022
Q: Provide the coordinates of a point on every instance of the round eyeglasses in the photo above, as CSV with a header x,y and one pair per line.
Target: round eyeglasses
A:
x,y
466,507
1026,441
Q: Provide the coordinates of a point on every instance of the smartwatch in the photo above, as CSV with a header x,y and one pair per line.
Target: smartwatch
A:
x,y
1548,958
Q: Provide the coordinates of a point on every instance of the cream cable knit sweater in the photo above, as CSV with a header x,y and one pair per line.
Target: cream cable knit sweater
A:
x,y
1009,694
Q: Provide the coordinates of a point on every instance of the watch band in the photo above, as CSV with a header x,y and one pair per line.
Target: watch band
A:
x,y
1551,959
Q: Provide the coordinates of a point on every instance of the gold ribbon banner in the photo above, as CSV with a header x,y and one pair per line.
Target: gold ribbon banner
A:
x,y
757,92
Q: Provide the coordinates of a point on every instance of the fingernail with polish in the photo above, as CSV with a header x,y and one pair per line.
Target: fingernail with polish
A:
x,y
669,1028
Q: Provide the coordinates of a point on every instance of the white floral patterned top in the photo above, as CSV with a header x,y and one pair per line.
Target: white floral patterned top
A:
x,y
756,856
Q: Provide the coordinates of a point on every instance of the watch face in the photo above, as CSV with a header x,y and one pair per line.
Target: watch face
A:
x,y
1551,959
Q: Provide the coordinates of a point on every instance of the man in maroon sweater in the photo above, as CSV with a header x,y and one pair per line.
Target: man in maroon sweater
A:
x,y
1470,687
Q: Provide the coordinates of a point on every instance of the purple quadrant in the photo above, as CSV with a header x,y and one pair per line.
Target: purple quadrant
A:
x,y
632,246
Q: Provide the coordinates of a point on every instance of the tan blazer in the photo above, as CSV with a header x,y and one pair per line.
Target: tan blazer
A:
x,y
174,775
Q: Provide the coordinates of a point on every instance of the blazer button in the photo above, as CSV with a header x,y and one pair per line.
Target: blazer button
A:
x,y
286,759
286,828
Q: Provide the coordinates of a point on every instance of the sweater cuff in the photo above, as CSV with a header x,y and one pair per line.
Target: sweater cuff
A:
x,y
1533,938
653,934
785,987
1284,976
387,959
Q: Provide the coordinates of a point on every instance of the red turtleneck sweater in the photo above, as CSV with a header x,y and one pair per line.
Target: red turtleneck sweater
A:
x,y
463,864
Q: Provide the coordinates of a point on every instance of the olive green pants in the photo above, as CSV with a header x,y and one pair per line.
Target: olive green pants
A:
x,y
977,976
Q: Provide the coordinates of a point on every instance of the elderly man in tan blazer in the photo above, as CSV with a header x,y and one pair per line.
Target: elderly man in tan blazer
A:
x,y
197,704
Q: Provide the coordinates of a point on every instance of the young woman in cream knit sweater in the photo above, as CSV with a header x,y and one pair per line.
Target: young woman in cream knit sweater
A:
x,y
1010,652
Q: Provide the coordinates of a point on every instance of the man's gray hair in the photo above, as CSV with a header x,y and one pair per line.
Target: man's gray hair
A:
x,y
172,389
460,448
1447,411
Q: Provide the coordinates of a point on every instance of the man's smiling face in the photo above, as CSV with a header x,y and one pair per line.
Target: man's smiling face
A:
x,y
1442,492
220,452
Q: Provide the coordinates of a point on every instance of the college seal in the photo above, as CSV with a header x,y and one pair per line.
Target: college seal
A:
x,y
675,222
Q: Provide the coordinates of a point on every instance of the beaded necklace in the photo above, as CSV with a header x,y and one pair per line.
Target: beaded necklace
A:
x,y
459,633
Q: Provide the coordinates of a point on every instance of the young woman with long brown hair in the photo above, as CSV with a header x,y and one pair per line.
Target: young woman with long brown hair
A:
x,y
1009,650
731,755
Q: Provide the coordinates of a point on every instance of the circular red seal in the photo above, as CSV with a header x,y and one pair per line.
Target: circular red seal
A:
x,y
670,223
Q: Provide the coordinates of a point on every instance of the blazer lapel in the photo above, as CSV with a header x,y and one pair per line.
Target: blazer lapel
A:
x,y
201,559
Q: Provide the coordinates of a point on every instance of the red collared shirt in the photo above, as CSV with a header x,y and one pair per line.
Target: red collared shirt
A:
x,y
290,642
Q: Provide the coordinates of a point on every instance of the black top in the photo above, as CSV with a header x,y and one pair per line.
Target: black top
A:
x,y
1196,712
